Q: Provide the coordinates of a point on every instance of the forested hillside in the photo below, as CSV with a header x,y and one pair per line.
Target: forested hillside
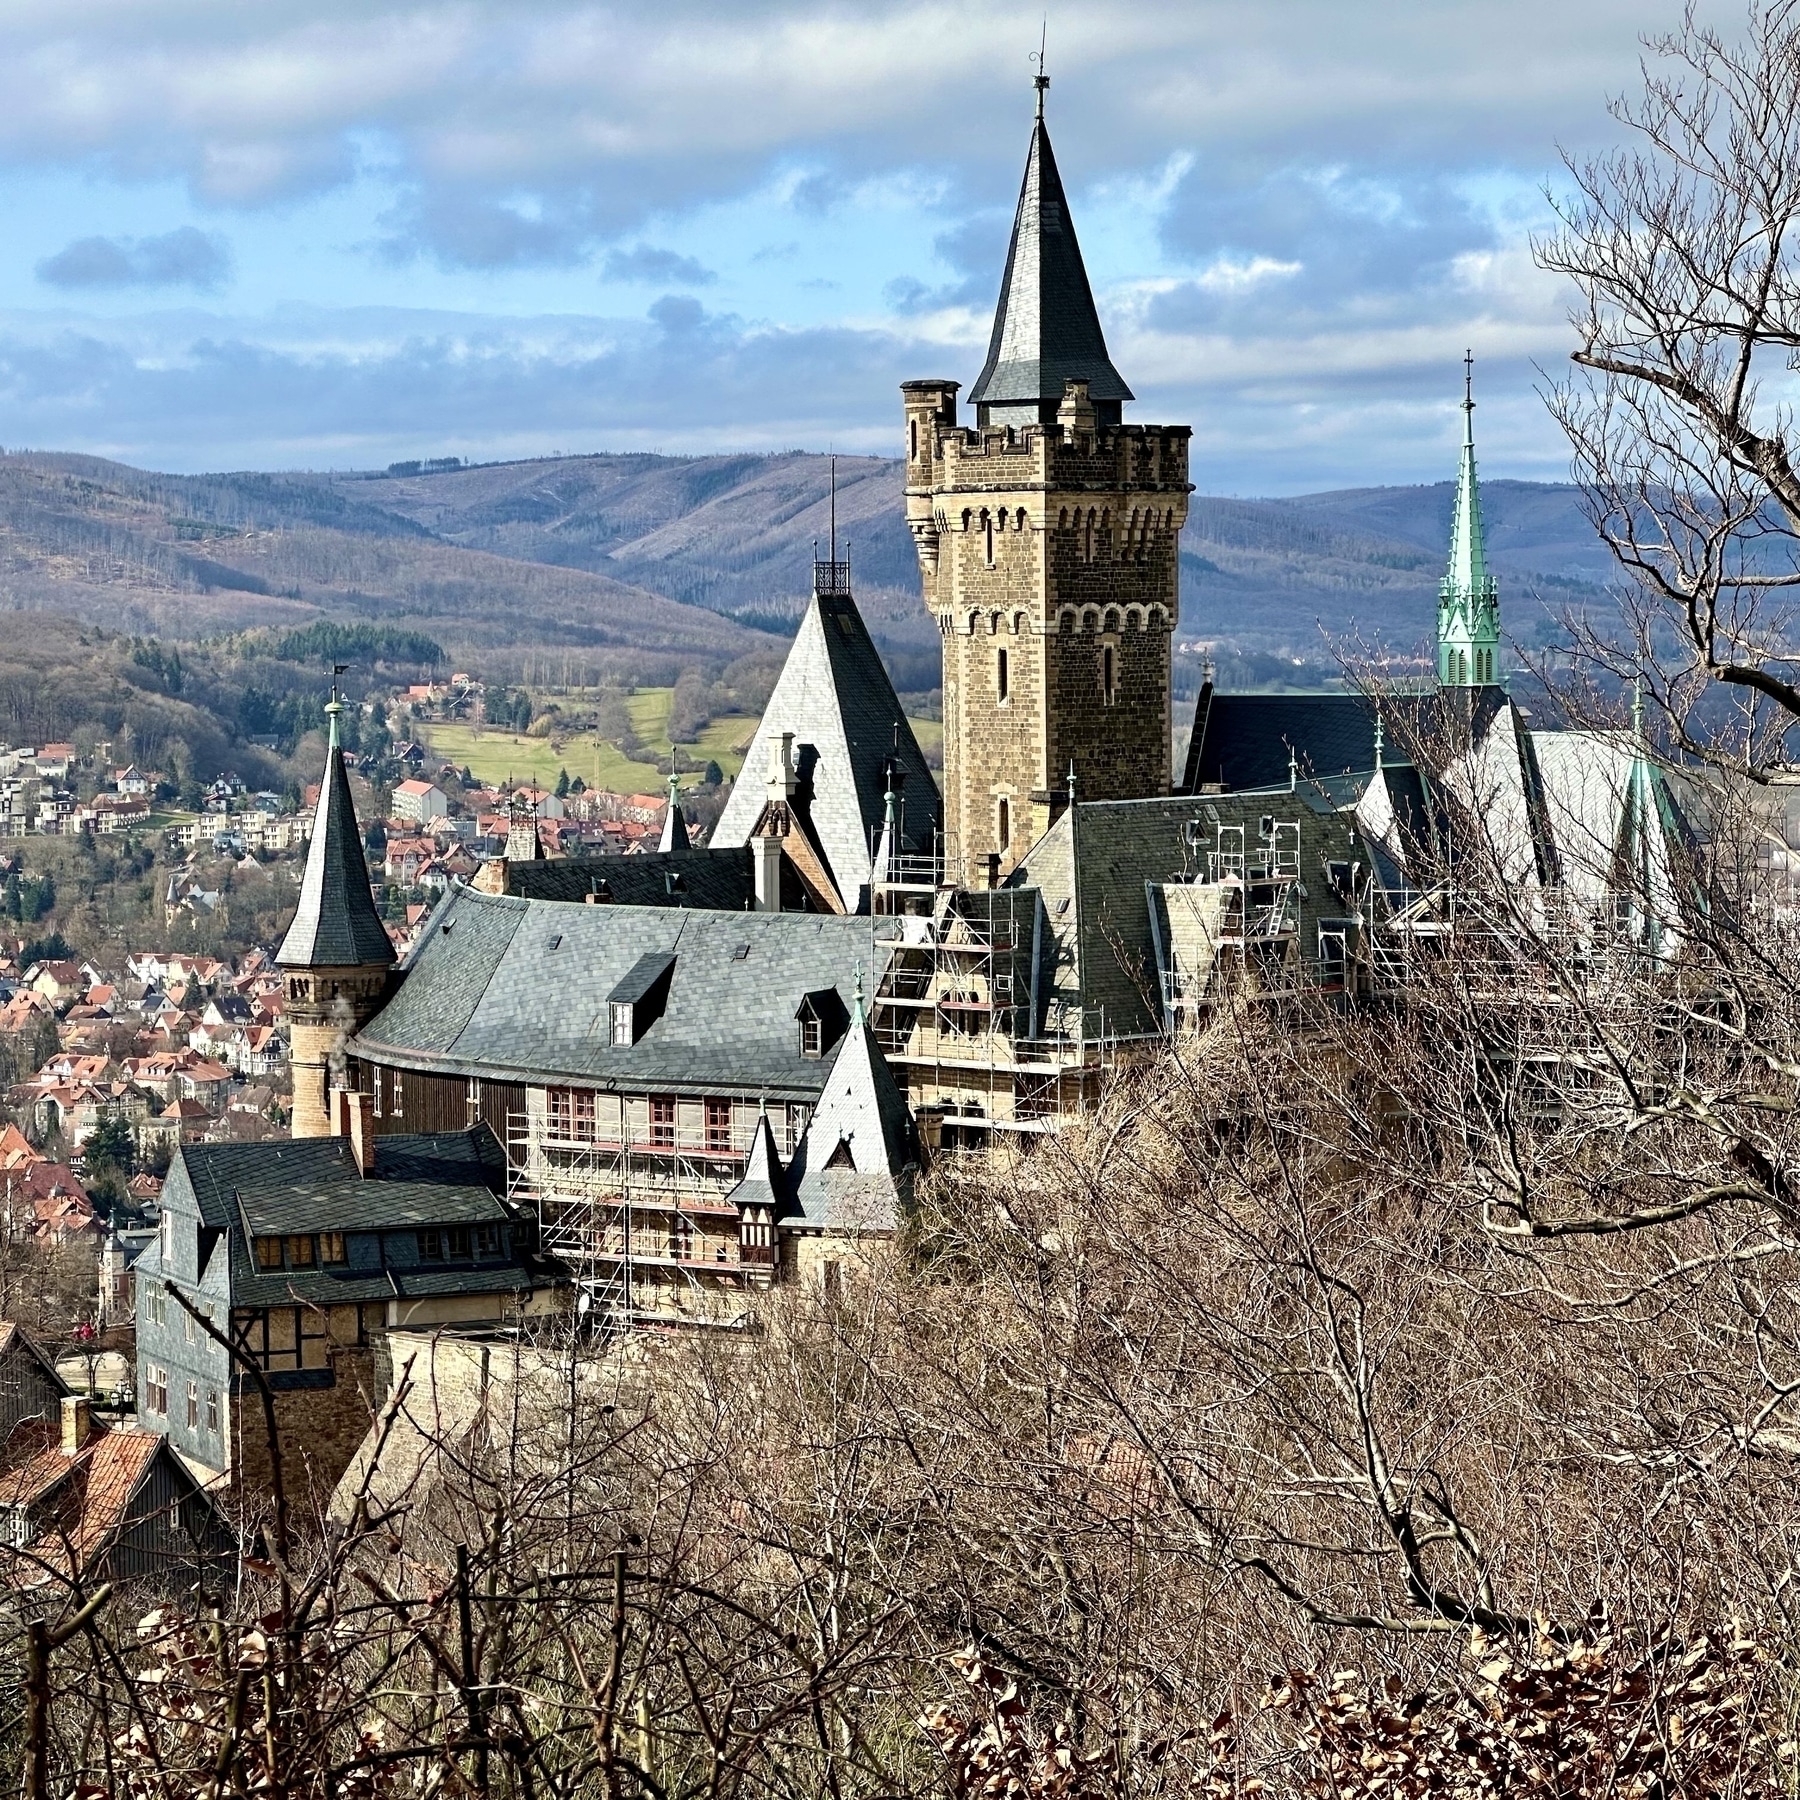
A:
x,y
697,558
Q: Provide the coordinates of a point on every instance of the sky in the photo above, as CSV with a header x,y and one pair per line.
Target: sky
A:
x,y
339,233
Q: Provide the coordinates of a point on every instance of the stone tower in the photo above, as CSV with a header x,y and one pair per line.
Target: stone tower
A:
x,y
1047,538
337,961
1468,628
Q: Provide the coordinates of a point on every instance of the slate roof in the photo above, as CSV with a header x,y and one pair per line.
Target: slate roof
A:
x,y
312,1184
718,880
1243,740
336,925
1091,870
1046,328
486,994
834,695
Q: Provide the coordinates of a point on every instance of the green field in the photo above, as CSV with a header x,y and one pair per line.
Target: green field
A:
x,y
494,756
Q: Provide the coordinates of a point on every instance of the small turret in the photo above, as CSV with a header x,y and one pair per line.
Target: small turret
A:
x,y
337,959
674,831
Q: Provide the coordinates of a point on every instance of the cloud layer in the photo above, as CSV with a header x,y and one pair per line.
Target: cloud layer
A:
x,y
476,225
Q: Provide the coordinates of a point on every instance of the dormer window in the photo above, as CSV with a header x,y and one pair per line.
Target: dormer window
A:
x,y
821,1018
638,1000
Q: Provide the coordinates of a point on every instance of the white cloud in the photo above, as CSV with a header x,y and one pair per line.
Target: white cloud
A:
x,y
1236,275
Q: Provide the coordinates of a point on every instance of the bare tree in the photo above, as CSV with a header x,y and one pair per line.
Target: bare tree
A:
x,y
1681,245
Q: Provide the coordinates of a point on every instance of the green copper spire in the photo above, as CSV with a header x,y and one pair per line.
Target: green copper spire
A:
x,y
1468,597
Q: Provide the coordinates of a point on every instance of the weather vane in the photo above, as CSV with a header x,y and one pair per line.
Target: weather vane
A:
x,y
1041,80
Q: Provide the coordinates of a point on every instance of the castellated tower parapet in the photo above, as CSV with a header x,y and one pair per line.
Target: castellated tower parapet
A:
x,y
1049,554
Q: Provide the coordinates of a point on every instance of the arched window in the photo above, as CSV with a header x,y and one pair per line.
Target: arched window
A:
x,y
1112,618
1066,623
1002,676
993,624
1132,619
1000,522
1018,623
974,623
1062,519
1003,823
1090,620
1109,674
967,516
1019,522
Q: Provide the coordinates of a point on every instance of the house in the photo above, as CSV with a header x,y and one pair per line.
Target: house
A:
x,y
180,1122
84,1503
53,761
61,983
306,1252
133,783
47,1201
30,1387
540,801
419,803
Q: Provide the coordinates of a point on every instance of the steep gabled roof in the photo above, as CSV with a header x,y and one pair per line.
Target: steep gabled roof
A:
x,y
851,1171
336,926
1046,329
835,698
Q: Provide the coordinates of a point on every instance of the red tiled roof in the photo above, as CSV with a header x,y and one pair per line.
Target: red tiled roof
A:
x,y
118,1460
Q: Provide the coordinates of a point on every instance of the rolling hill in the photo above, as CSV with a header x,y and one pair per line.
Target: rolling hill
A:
x,y
701,559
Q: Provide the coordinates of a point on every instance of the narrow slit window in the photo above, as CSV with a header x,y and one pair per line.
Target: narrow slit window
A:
x,y
987,526
1002,676
1109,674
1004,831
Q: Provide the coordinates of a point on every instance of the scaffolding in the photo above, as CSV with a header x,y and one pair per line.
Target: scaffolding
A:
x,y
957,1013
633,1196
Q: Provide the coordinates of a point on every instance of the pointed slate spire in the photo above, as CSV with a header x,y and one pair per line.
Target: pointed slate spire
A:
x,y
1468,597
1046,329
859,1142
764,1182
336,926
674,831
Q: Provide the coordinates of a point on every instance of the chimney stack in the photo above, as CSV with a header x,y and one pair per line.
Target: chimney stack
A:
x,y
77,1423
765,858
353,1117
782,780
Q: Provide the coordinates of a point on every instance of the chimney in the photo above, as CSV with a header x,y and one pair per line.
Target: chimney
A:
x,y
339,1111
77,1424
765,858
361,1108
781,767
992,860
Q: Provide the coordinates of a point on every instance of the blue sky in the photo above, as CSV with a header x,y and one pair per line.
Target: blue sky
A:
x,y
324,234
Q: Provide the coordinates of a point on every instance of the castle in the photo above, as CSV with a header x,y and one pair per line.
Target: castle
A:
x,y
667,1081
